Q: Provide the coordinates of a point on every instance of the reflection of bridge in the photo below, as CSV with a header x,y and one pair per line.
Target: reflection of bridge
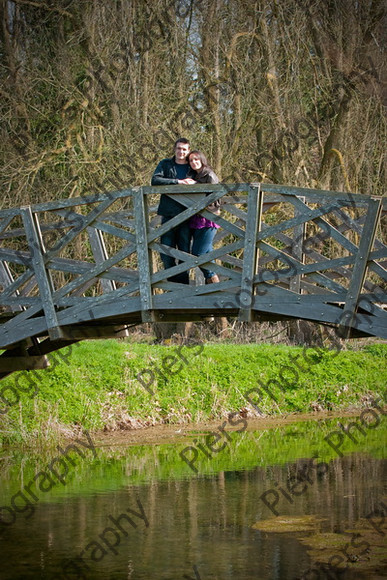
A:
x,y
87,267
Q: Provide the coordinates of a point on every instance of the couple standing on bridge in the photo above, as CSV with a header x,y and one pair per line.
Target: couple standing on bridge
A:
x,y
186,167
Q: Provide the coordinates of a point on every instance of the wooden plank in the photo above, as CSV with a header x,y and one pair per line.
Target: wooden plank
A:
x,y
100,254
326,313
5,221
84,221
356,225
95,270
199,206
338,236
54,226
15,256
114,231
326,282
143,255
316,195
380,254
177,290
116,274
87,220
84,311
250,253
102,225
360,266
237,212
16,303
192,261
22,363
84,332
6,279
9,213
195,261
44,284
112,196
221,188
310,288
300,267
297,252
311,215
189,212
97,310
378,269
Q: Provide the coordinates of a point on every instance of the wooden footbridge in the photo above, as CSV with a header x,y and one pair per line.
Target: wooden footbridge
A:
x,y
89,267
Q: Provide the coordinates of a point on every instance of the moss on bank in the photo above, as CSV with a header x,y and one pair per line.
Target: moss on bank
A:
x,y
96,385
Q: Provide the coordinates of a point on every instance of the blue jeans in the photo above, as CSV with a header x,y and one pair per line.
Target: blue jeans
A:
x,y
202,244
180,238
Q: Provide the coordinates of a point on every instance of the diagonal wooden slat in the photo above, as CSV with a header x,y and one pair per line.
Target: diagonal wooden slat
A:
x,y
114,274
100,254
114,231
194,261
190,261
84,221
143,255
306,216
5,221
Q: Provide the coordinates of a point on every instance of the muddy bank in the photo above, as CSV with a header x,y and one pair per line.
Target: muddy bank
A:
x,y
162,434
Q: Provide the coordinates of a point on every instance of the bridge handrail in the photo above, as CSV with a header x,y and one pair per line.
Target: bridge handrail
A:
x,y
45,282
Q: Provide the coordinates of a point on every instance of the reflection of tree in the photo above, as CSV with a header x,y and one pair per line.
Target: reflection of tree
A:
x,y
203,520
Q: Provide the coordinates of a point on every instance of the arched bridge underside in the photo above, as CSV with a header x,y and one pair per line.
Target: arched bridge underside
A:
x,y
88,267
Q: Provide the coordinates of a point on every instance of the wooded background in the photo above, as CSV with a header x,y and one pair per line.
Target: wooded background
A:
x,y
94,92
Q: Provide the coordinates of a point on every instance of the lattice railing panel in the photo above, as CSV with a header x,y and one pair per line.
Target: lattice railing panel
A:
x,y
281,252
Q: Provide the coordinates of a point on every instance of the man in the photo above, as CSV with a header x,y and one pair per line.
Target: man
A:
x,y
174,171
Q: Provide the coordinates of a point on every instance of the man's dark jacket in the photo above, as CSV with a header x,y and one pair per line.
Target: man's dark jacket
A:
x,y
165,174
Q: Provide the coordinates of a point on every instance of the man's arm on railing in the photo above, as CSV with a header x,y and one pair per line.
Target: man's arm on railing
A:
x,y
158,175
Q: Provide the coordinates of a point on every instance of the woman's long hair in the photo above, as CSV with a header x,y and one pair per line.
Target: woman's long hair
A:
x,y
203,159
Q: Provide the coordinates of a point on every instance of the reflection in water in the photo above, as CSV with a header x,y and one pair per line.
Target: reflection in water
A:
x,y
119,518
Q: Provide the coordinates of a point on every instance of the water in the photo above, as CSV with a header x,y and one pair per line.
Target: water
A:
x,y
199,525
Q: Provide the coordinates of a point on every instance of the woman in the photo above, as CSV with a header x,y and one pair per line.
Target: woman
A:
x,y
202,230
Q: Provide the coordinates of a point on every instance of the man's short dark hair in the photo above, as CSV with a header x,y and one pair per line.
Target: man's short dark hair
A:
x,y
182,140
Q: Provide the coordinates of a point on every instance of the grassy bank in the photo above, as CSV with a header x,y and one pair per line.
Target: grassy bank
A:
x,y
96,386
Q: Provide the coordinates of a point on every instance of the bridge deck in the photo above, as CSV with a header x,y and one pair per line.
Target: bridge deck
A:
x,y
88,267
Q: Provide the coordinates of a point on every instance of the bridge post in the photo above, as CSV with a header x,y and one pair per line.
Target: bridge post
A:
x,y
296,250
36,247
143,254
250,254
360,267
100,254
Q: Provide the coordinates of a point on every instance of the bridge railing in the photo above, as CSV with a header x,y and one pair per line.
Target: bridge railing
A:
x,y
280,252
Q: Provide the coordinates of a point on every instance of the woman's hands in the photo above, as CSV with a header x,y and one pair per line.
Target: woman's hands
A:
x,y
186,181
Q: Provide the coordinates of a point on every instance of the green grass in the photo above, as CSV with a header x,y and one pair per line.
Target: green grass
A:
x,y
97,388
